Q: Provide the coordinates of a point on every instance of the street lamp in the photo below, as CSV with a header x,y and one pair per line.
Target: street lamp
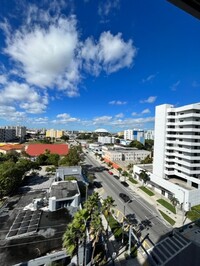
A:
x,y
124,215
183,204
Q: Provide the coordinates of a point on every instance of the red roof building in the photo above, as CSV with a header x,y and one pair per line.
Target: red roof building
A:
x,y
37,149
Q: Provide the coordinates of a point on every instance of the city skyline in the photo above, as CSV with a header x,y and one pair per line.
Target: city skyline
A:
x,y
95,64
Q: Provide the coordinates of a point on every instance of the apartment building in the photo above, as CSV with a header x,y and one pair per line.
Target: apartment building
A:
x,y
149,134
134,134
57,134
176,164
129,155
7,134
106,140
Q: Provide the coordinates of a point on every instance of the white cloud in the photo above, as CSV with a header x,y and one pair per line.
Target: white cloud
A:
x,y
146,111
102,120
149,78
3,79
133,113
9,113
120,115
40,120
46,55
151,99
174,86
117,102
25,97
110,54
64,118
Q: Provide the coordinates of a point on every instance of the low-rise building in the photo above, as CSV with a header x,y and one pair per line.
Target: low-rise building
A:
x,y
122,154
64,194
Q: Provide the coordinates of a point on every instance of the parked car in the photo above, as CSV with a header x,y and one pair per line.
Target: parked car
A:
x,y
111,173
124,197
116,177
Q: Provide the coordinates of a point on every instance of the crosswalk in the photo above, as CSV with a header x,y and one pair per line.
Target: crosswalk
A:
x,y
165,250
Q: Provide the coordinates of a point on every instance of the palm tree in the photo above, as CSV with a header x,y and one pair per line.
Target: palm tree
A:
x,y
96,229
92,203
119,169
71,242
108,203
144,176
75,234
125,174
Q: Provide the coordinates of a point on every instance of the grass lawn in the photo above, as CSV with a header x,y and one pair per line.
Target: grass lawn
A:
x,y
167,218
167,205
133,180
194,213
146,190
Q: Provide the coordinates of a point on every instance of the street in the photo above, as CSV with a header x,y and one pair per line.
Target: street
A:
x,y
143,211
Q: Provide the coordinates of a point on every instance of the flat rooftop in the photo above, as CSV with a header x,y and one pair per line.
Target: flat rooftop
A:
x,y
64,189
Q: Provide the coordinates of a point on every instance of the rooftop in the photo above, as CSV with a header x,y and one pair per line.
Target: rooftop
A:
x,y
37,149
64,189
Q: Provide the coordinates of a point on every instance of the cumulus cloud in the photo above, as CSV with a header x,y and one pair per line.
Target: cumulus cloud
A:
x,y
146,111
110,54
23,96
46,56
102,120
151,99
65,118
117,102
120,115
133,113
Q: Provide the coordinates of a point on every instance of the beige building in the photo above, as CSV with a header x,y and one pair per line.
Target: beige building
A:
x,y
128,155
57,134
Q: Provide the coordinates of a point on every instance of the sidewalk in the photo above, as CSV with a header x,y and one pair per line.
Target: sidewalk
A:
x,y
116,252
179,217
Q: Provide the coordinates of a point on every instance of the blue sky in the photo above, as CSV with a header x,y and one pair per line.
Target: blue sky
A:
x,y
88,64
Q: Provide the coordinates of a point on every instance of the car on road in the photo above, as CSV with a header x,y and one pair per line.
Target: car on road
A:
x,y
111,173
124,183
97,184
116,177
124,197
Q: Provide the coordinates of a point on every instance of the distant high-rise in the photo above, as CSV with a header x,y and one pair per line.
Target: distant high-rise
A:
x,y
134,134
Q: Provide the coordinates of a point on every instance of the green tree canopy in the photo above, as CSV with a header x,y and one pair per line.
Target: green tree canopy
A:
x,y
136,144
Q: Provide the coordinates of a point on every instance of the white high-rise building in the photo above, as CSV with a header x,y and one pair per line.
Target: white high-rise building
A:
x,y
176,163
177,143
134,134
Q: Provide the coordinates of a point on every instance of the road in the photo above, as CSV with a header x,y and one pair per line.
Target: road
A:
x,y
138,206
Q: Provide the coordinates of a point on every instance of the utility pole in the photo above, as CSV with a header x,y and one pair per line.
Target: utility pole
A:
x,y
129,240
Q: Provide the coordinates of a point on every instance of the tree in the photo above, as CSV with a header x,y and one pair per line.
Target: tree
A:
x,y
136,144
75,234
110,164
119,169
96,229
125,174
144,176
147,160
174,201
108,203
65,137
73,157
53,159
